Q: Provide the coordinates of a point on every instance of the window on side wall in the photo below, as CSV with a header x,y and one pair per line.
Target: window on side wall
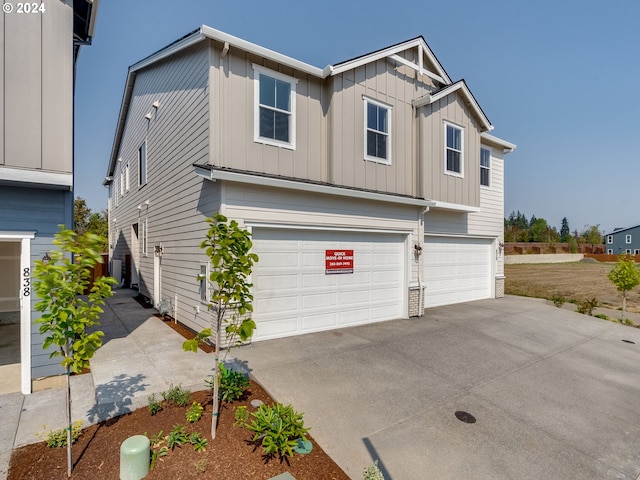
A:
x,y
609,251
126,177
627,239
142,164
628,251
143,237
377,131
485,167
609,239
274,108
202,279
454,150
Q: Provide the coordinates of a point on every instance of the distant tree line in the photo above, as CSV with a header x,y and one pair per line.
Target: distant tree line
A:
x,y
517,228
84,220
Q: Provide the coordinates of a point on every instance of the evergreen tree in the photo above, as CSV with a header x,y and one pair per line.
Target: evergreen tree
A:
x,y
565,232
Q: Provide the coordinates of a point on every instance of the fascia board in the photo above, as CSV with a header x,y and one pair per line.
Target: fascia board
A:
x,y
493,140
36,177
456,207
214,34
213,175
445,92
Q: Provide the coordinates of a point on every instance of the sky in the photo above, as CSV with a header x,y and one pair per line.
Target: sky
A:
x,y
558,78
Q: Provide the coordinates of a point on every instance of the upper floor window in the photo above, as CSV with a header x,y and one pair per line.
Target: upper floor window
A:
x,y
274,114
453,150
485,167
143,237
627,239
121,183
377,140
142,164
609,239
203,278
126,177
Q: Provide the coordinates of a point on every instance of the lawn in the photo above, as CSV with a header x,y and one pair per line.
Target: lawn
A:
x,y
574,281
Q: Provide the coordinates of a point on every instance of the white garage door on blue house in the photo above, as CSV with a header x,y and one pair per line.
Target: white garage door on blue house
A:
x,y
456,269
311,280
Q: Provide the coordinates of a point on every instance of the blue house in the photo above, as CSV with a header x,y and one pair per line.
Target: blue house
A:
x,y
623,240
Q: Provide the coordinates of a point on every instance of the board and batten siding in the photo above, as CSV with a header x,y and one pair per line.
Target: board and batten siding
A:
x,y
174,201
39,210
37,89
232,119
396,86
438,185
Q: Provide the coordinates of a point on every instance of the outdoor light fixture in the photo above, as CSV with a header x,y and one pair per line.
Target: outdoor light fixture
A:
x,y
148,116
500,246
158,250
46,258
417,248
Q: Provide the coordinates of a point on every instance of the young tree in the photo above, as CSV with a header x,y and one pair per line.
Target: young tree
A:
x,y
60,282
592,234
84,220
228,248
625,276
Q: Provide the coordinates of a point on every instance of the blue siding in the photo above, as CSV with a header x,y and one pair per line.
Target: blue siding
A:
x,y
40,210
619,244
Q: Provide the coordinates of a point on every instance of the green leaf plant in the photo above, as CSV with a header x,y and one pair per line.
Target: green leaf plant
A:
x,y
60,283
228,247
625,276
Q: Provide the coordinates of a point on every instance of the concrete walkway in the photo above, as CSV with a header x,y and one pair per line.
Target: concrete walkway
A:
x,y
555,394
139,356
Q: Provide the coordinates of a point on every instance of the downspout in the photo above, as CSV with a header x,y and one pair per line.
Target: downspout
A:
x,y
419,253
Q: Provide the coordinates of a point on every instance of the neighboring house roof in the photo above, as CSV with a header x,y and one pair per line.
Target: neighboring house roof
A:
x,y
204,32
84,22
618,230
487,139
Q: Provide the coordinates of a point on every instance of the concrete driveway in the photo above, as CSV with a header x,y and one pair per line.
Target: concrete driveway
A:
x,y
555,394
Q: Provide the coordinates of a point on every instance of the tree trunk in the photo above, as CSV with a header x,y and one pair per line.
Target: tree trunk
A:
x,y
69,435
216,376
624,306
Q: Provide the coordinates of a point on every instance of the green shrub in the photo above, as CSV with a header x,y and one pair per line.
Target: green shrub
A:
x,y
277,428
155,406
177,437
241,416
194,412
602,316
177,395
586,307
232,384
558,300
58,438
199,443
201,466
372,472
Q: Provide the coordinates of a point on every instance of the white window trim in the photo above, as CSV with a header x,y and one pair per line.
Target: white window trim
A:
x,y
145,237
609,239
627,238
628,251
384,161
146,164
126,178
203,281
257,70
450,172
609,251
122,183
636,251
486,187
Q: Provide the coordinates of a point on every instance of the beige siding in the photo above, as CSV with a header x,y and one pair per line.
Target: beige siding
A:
x,y
37,84
396,87
233,120
178,202
437,184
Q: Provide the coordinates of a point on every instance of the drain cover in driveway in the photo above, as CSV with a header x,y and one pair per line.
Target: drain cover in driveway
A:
x,y
465,417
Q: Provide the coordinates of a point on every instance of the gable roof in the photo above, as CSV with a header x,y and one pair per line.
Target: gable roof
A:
x,y
461,87
619,230
204,32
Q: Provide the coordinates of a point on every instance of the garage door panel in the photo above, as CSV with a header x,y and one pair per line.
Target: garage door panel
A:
x,y
375,290
456,269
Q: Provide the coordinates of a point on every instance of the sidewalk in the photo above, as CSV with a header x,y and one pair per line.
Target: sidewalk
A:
x,y
139,356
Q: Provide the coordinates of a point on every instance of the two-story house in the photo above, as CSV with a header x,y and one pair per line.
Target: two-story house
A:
x,y
623,240
371,187
38,50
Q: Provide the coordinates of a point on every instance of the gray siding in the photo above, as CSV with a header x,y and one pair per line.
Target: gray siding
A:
x,y
37,87
233,120
437,184
178,201
620,244
27,209
383,82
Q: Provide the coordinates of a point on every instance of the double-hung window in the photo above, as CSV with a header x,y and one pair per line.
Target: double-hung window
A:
x,y
274,122
143,237
203,278
454,150
609,239
627,239
142,164
485,167
377,139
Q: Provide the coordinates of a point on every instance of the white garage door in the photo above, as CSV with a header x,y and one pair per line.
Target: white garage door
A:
x,y
456,270
294,294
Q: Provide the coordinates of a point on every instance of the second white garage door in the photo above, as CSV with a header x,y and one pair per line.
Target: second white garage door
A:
x,y
456,269
293,294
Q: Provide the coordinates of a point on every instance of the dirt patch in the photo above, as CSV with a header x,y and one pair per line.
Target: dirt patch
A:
x,y
97,452
574,281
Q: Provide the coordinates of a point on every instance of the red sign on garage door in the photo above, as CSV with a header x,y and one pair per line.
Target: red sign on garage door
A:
x,y
338,261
